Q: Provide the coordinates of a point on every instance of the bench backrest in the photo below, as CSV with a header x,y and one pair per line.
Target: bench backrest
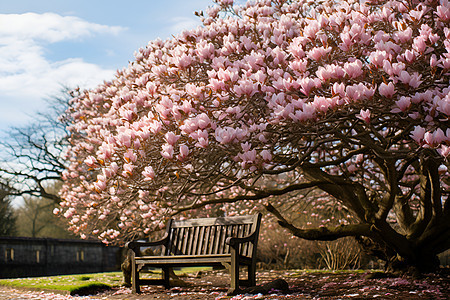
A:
x,y
207,235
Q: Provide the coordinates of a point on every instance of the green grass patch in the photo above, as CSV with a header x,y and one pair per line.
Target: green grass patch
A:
x,y
85,284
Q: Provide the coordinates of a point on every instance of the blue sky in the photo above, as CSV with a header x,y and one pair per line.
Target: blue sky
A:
x,y
46,44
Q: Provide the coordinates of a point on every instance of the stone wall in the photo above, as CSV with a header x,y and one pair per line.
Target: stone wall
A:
x,y
28,257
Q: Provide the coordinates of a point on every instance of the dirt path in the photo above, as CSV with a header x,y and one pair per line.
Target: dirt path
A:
x,y
303,285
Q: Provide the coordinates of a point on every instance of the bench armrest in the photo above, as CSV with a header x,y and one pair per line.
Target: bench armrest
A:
x,y
234,241
135,245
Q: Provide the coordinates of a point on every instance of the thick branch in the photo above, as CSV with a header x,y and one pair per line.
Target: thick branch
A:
x,y
257,195
322,233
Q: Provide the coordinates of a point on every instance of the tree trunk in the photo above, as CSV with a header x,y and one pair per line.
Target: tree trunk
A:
x,y
422,261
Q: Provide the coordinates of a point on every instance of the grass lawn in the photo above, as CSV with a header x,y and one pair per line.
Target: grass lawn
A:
x,y
81,283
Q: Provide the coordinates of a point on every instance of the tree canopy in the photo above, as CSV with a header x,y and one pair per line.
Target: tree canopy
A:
x,y
351,98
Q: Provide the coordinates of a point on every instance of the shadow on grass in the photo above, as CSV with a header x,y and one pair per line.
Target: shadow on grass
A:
x,y
90,289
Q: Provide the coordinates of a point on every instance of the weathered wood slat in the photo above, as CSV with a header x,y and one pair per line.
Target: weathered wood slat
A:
x,y
200,243
180,259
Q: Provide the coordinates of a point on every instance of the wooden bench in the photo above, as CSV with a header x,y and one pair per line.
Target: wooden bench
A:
x,y
227,241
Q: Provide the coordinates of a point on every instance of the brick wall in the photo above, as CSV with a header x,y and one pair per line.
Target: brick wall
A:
x,y
28,257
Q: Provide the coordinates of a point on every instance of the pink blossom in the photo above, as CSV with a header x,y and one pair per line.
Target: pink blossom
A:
x,y
202,138
148,173
193,90
167,151
387,90
355,92
246,146
105,151
419,44
307,113
307,84
184,151
100,186
418,133
259,76
151,87
364,115
311,29
318,52
346,41
404,103
247,43
246,87
224,75
69,213
90,161
225,135
404,36
444,105
378,57
216,84
189,126
433,60
393,69
248,156
127,170
130,156
265,154
433,139
299,65
114,167
279,58
338,89
256,60
417,14
296,48
171,138
202,142
321,103
155,127
203,121
205,50
137,144
186,107
123,139
353,69
443,11
409,56
183,61
411,80
444,151
352,168
397,68
323,73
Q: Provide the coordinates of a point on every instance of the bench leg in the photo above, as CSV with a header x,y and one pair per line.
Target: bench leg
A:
x,y
234,273
135,277
252,274
166,277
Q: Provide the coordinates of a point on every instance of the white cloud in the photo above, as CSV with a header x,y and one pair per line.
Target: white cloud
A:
x,y
50,27
183,23
27,76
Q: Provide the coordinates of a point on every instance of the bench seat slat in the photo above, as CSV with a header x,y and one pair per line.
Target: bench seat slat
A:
x,y
176,259
181,259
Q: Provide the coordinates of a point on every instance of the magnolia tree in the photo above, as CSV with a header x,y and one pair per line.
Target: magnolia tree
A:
x,y
350,98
